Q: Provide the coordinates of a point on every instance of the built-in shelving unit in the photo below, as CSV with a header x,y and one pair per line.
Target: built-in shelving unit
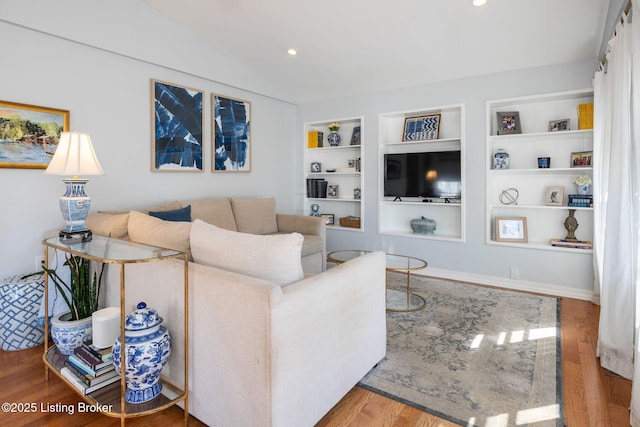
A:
x,y
394,216
544,221
340,166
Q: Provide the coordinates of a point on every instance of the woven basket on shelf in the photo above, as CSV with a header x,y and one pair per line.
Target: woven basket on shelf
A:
x,y
353,222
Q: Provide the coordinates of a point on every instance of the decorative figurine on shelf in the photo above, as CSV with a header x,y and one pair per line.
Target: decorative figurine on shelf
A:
x,y
315,210
147,349
332,191
571,224
509,196
334,136
501,159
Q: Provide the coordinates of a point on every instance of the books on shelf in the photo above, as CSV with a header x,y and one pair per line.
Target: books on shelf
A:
x,y
89,379
314,139
580,244
316,188
84,367
86,389
90,369
585,116
95,359
581,200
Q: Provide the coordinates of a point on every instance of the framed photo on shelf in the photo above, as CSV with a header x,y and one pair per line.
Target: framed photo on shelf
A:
x,y
329,219
355,136
511,229
508,122
581,159
29,134
554,196
421,128
559,125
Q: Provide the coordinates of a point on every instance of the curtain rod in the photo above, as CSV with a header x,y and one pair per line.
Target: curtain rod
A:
x,y
625,13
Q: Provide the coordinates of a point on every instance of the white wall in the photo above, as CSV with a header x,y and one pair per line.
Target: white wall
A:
x,y
545,271
108,95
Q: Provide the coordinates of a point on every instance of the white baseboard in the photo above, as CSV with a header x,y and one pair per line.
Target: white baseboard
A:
x,y
518,285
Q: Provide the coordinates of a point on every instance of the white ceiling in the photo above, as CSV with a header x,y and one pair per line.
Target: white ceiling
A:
x,y
348,47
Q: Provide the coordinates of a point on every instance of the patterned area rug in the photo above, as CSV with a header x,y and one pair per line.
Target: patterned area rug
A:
x,y
474,356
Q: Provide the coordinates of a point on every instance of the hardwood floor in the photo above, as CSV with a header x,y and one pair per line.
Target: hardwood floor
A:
x,y
592,396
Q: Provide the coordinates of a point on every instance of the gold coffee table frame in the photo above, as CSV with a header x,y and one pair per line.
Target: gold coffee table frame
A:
x,y
398,301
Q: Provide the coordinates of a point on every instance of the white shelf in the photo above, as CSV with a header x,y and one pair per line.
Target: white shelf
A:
x,y
543,246
329,199
564,208
424,142
543,222
335,157
394,217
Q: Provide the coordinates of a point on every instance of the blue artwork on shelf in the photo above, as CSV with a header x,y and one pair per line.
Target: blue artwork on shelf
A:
x,y
421,128
178,122
232,130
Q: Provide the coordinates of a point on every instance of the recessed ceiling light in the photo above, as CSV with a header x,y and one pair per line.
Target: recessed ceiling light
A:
x,y
292,52
479,2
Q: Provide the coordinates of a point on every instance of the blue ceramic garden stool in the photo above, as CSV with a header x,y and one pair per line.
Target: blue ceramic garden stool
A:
x,y
20,301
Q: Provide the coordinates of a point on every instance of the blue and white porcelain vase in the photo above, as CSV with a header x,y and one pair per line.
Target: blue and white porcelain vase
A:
x,y
583,189
69,334
147,349
333,138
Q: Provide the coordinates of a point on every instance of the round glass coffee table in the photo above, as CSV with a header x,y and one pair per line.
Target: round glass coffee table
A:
x,y
397,300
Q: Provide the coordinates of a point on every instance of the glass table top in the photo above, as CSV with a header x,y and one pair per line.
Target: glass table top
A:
x,y
393,262
106,249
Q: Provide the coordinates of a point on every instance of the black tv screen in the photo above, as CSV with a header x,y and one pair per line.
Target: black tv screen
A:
x,y
433,174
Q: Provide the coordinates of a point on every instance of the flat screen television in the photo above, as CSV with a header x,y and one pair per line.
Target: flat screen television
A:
x,y
433,175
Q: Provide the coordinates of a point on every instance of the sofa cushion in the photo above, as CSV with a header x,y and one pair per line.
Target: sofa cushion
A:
x,y
166,207
180,214
255,216
213,211
275,258
157,232
110,225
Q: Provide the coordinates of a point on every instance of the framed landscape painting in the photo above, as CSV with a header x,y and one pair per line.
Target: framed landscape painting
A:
x,y
176,129
29,134
231,124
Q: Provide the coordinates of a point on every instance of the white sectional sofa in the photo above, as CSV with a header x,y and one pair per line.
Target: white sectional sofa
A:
x,y
275,351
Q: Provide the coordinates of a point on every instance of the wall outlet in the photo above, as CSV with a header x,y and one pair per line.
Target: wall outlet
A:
x,y
39,262
515,273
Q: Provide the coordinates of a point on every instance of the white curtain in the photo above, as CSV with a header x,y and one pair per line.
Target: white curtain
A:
x,y
617,208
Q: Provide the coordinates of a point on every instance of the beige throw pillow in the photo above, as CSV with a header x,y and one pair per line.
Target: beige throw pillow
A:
x,y
157,232
213,211
109,225
255,216
275,258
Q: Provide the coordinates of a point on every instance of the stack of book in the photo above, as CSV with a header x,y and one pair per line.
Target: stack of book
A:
x,y
89,369
316,188
581,200
575,244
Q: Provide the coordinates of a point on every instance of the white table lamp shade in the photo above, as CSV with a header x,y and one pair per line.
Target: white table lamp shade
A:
x,y
74,156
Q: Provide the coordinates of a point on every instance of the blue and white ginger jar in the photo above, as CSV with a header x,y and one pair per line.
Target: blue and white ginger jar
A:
x,y
147,349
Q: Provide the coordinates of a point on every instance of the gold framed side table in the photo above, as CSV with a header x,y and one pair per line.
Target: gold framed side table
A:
x,y
397,300
112,397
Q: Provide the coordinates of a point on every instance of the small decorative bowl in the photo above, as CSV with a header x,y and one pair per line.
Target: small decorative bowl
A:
x,y
423,225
